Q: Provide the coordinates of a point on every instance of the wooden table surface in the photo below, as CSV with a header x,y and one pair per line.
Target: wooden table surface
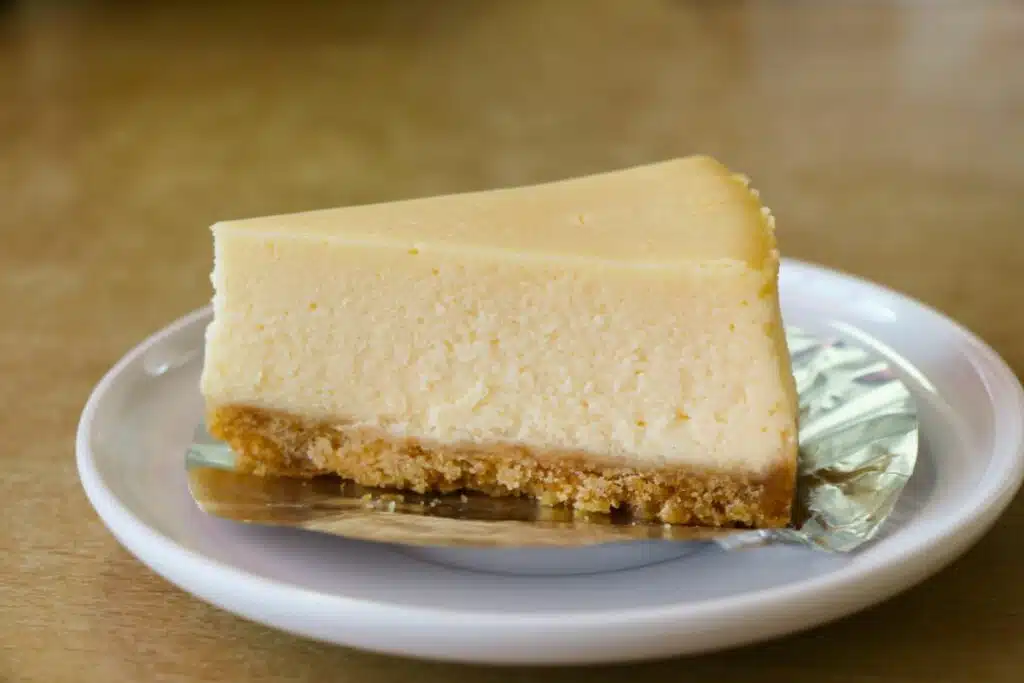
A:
x,y
888,138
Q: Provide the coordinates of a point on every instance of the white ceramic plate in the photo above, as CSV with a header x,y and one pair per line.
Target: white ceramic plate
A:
x,y
141,416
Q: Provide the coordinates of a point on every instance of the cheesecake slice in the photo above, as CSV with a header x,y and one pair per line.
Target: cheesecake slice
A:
x,y
604,342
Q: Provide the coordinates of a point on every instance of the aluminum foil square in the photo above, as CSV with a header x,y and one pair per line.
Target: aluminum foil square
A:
x,y
858,447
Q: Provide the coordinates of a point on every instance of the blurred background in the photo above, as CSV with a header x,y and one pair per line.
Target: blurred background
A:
x,y
878,132
888,137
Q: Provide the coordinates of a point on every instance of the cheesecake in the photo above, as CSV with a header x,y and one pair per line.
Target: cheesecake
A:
x,y
607,342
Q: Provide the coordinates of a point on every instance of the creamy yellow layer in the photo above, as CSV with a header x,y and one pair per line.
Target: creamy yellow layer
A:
x,y
632,315
685,209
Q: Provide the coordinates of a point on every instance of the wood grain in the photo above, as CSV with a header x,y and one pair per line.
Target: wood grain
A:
x,y
887,137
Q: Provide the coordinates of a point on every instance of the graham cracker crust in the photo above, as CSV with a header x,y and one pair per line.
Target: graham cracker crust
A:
x,y
274,443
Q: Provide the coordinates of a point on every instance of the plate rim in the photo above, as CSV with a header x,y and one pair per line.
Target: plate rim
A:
x,y
852,587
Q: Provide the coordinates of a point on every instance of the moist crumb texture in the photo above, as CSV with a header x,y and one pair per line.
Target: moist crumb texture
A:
x,y
276,443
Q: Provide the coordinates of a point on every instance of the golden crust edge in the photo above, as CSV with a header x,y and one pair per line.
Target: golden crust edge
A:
x,y
273,443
